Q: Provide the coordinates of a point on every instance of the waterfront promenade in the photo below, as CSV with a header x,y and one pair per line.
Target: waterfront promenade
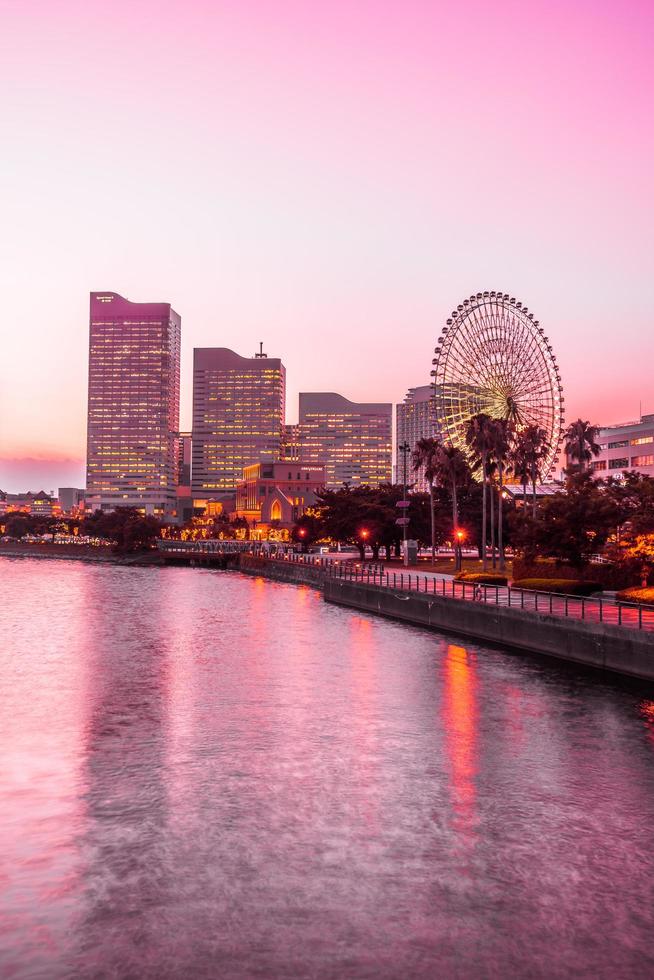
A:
x,y
598,633
609,611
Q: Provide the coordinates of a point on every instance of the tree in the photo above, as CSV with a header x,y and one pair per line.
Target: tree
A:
x,y
126,526
502,431
572,525
633,495
366,517
308,529
452,472
479,437
527,457
581,442
519,463
425,457
17,525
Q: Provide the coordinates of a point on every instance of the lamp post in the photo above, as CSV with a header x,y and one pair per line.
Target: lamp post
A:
x,y
364,534
460,538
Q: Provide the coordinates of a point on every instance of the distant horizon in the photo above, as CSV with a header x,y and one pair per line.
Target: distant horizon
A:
x,y
330,179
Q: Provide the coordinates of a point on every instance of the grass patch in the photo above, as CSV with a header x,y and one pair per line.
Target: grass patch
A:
x,y
445,564
644,596
482,578
564,586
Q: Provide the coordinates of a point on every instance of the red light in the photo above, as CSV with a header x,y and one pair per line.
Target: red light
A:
x,y
460,535
364,534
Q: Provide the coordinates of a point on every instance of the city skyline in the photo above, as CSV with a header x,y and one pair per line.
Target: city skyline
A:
x,y
296,175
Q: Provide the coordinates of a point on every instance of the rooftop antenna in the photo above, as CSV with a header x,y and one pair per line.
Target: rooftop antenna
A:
x,y
261,353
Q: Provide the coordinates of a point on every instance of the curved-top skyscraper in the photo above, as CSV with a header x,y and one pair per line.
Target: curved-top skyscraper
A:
x,y
133,404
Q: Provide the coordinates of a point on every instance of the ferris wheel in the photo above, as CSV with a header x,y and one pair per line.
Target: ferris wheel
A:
x,y
493,357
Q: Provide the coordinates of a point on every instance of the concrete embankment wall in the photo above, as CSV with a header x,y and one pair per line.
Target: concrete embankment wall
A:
x,y
45,549
77,552
619,649
281,571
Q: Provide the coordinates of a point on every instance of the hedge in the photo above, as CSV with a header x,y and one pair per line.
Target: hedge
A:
x,y
608,576
565,586
482,578
644,596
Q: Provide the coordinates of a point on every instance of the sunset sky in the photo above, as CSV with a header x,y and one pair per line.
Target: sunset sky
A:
x,y
329,177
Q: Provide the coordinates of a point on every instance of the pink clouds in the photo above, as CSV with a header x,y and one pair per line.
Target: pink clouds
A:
x,y
329,176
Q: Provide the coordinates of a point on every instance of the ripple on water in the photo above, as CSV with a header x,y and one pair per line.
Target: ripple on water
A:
x,y
211,775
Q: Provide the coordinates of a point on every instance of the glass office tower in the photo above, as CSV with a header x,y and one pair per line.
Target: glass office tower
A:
x,y
353,440
133,405
238,416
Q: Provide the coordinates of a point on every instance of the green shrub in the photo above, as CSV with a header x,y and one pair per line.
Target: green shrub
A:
x,y
645,596
564,586
482,578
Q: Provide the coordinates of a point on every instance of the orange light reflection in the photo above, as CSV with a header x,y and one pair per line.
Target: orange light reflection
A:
x,y
460,722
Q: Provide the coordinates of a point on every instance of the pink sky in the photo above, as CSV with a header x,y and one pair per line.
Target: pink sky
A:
x,y
328,177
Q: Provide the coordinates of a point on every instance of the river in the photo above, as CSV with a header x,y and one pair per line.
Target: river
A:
x,y
210,775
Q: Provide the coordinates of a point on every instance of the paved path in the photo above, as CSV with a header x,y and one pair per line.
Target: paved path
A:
x,y
574,607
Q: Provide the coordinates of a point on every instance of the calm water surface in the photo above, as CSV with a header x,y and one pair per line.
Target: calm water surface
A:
x,y
207,775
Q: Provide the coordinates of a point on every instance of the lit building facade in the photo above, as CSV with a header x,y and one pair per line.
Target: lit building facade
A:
x,y
38,503
71,499
238,416
415,419
354,441
629,446
272,496
290,442
133,405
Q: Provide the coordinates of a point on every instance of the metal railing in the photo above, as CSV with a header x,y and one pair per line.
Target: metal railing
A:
x,y
592,609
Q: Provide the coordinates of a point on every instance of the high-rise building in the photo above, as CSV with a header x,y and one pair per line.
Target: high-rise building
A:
x,y
415,418
133,407
70,499
624,447
352,440
238,416
290,448
184,445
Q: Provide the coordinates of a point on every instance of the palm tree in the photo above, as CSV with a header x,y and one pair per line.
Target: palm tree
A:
x,y
479,437
529,453
425,457
502,439
518,462
452,471
581,442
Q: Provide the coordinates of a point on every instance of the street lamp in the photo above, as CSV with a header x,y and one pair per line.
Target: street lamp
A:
x,y
460,536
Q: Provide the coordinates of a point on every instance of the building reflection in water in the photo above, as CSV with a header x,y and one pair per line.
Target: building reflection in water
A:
x,y
208,775
124,865
460,723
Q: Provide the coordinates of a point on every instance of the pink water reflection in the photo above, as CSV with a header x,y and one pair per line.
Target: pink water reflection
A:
x,y
205,772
